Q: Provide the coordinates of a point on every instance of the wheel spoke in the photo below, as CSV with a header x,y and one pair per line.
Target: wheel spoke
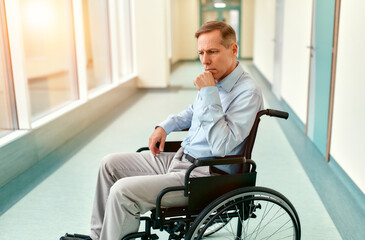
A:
x,y
245,216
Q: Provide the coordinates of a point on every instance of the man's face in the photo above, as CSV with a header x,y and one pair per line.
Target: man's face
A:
x,y
215,57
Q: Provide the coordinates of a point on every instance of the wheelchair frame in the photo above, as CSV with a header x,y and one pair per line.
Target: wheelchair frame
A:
x,y
215,200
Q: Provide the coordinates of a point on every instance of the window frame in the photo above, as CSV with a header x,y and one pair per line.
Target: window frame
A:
x,y
16,46
9,86
18,67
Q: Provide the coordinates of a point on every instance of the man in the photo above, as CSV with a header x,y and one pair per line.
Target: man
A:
x,y
218,121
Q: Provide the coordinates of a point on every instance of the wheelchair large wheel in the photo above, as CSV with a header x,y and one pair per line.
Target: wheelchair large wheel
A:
x,y
253,213
218,225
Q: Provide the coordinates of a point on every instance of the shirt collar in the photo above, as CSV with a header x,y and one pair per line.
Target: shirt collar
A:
x,y
230,80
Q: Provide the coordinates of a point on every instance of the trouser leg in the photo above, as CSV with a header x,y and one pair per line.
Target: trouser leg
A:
x,y
119,166
132,196
128,185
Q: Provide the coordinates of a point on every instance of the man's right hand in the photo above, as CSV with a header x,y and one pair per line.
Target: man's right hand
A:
x,y
204,79
158,136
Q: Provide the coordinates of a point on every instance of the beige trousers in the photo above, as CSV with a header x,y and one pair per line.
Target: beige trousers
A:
x,y
128,185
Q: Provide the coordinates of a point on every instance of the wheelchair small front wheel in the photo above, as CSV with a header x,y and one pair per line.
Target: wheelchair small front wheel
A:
x,y
248,213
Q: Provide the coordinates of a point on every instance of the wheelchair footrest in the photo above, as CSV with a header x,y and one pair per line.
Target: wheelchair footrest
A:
x,y
141,235
153,237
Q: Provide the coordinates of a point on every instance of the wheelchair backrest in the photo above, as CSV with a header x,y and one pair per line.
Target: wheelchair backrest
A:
x,y
250,139
204,190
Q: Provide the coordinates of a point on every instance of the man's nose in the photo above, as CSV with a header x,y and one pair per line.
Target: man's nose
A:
x,y
205,59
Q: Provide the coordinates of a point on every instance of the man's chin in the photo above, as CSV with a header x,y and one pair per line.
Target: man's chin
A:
x,y
216,78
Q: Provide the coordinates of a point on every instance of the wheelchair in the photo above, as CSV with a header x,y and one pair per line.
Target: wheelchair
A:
x,y
224,206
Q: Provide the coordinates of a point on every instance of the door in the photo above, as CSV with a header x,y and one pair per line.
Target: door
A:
x,y
229,12
320,75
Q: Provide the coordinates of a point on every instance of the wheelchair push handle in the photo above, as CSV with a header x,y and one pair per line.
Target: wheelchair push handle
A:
x,y
276,113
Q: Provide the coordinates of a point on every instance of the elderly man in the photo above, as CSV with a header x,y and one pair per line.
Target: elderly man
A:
x,y
219,121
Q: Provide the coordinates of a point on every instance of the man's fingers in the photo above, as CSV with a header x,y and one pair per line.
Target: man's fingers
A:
x,y
152,146
154,150
204,79
162,144
158,137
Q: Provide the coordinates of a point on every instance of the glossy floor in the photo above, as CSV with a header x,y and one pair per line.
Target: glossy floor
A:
x,y
58,191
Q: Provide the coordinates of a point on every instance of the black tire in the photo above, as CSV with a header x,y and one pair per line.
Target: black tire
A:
x,y
254,213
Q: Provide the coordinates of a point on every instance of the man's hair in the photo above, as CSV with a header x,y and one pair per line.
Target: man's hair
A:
x,y
227,32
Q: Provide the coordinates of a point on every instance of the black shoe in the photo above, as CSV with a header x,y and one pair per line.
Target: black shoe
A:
x,y
75,237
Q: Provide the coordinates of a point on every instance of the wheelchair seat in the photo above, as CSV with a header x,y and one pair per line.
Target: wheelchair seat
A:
x,y
224,205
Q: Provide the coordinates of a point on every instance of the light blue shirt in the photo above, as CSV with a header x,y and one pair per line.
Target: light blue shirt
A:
x,y
220,118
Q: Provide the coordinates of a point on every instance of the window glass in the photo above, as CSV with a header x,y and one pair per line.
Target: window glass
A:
x,y
7,103
96,30
125,38
49,54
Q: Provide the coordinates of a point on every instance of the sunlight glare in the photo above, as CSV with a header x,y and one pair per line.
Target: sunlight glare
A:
x,y
38,14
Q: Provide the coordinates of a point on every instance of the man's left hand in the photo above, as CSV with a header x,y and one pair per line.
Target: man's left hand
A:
x,y
204,79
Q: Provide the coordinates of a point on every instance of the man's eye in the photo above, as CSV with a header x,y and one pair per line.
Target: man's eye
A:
x,y
212,52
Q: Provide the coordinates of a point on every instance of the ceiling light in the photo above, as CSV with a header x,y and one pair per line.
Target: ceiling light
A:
x,y
219,5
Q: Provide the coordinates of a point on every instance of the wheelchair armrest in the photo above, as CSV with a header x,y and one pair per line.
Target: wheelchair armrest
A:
x,y
161,194
211,161
170,146
142,149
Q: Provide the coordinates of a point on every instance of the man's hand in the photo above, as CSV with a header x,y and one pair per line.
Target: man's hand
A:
x,y
159,135
205,79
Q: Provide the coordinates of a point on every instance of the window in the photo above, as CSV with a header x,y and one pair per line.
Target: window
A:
x,y
49,54
96,30
7,104
44,78
125,38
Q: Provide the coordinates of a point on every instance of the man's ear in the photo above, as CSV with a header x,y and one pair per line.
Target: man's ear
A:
x,y
234,49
